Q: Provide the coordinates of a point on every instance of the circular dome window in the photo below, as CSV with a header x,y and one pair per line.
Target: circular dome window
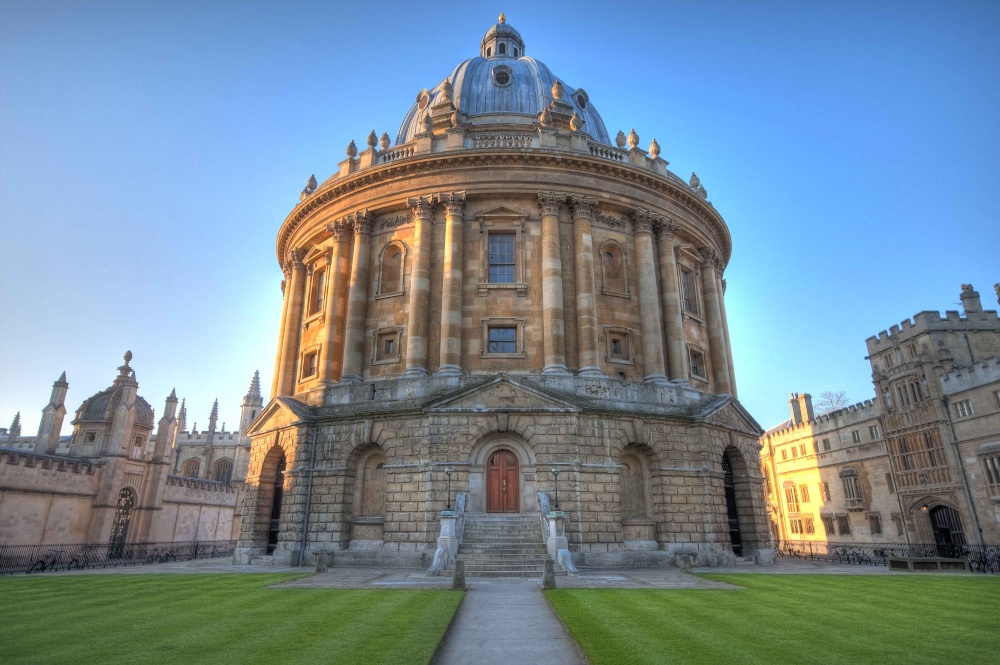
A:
x,y
501,75
581,99
423,99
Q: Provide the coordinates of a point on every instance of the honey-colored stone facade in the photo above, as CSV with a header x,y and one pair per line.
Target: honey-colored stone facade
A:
x,y
502,281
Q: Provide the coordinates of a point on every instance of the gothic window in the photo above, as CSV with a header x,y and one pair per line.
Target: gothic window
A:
x,y
191,468
223,472
613,269
992,465
391,263
963,408
502,259
852,488
316,292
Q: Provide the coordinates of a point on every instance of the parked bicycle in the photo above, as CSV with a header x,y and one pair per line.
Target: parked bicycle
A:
x,y
49,563
853,556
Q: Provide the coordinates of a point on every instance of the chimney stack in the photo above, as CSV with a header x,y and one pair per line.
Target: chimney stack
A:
x,y
796,407
806,407
970,300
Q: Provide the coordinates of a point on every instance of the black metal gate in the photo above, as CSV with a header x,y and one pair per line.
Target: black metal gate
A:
x,y
731,512
119,528
948,534
275,525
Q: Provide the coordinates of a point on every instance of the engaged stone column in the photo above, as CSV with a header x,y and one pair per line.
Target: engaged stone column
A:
x,y
553,329
649,298
451,286
725,333
586,306
420,285
331,354
279,357
357,301
293,324
670,297
713,317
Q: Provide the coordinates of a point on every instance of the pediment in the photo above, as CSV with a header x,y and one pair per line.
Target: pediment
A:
x,y
729,413
281,412
502,394
502,211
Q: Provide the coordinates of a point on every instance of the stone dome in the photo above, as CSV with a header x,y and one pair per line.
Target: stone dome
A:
x,y
102,405
502,87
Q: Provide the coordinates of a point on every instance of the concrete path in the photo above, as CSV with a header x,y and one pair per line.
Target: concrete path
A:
x,y
506,621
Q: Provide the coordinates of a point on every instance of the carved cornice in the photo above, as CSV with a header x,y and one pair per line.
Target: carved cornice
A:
x,y
642,221
669,188
423,206
583,207
453,202
550,202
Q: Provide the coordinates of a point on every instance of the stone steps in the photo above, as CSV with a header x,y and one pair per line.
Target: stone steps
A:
x,y
502,546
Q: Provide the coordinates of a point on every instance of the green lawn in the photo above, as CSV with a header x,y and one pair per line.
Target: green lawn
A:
x,y
227,618
791,619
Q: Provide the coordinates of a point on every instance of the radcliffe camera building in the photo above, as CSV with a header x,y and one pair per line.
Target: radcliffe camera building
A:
x,y
919,463
504,291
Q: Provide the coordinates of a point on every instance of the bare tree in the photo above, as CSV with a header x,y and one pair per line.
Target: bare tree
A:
x,y
831,401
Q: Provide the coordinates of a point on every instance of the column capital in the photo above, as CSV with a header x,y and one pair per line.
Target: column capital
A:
x,y
454,202
422,206
341,229
295,258
665,228
583,207
713,260
642,221
362,222
550,202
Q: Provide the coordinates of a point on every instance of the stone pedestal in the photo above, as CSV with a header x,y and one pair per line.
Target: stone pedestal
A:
x,y
447,543
556,542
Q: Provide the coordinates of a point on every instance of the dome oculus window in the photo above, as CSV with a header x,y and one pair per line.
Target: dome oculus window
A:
x,y
423,99
501,76
582,99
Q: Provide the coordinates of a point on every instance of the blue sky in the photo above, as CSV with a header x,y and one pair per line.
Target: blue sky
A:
x,y
149,152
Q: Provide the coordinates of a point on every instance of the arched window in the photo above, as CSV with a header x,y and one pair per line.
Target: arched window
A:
x,y
633,486
191,468
613,269
516,55
489,52
501,49
390,280
373,487
223,471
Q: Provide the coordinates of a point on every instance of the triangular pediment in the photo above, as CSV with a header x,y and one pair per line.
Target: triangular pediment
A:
x,y
729,413
280,412
504,394
502,211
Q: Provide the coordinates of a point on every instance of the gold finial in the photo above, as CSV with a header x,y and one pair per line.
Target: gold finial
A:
x,y
503,17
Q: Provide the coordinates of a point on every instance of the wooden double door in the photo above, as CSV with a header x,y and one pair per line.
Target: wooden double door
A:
x,y
502,483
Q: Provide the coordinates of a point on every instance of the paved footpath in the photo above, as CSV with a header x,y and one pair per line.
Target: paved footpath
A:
x,y
506,621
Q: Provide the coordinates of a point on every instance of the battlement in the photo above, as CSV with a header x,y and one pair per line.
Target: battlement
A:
x,y
849,415
31,460
931,321
971,376
219,439
200,484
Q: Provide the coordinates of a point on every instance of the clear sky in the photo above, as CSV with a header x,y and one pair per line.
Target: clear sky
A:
x,y
149,151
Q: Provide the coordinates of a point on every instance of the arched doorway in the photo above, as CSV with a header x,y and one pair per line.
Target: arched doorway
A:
x,y
502,483
732,512
946,524
119,528
275,524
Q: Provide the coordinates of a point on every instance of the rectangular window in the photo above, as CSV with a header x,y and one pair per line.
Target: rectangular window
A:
x,y
888,483
698,365
802,449
992,465
316,297
996,395
897,521
815,447
826,445
795,524
795,452
807,522
502,339
687,291
804,493
784,454
873,432
502,258
875,524
856,435
963,408
791,499
828,525
844,525
824,491
309,364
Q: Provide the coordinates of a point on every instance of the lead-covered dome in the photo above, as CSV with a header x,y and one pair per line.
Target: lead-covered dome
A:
x,y
501,87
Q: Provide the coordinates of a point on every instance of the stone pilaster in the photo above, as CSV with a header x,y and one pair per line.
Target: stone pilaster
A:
x,y
451,285
357,301
586,305
553,329
279,356
670,298
713,318
725,333
649,297
420,284
293,324
338,286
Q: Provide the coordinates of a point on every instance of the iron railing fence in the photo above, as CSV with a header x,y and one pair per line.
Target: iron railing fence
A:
x,y
981,558
46,558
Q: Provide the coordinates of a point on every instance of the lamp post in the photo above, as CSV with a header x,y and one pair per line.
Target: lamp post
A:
x,y
555,474
448,472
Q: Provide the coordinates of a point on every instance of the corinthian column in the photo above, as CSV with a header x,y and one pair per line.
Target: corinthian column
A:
x,y
649,297
713,317
553,329
670,297
586,307
451,286
725,334
331,354
280,354
357,299
293,324
420,287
